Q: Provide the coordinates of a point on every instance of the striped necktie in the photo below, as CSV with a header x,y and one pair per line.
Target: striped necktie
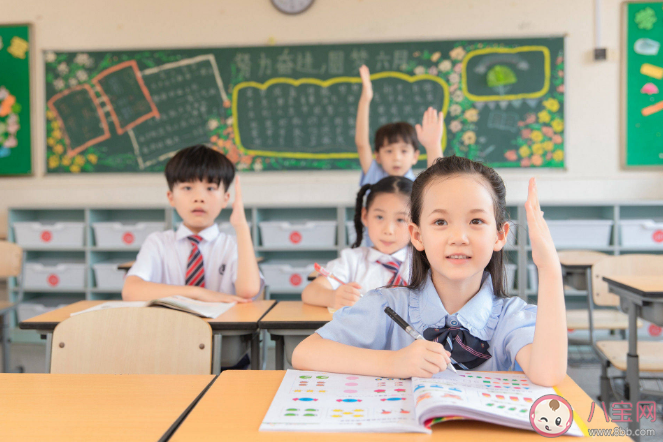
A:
x,y
195,270
394,266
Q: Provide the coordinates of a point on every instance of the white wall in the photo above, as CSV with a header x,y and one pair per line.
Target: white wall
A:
x,y
593,170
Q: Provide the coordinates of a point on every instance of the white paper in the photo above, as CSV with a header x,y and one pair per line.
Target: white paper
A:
x,y
113,304
204,309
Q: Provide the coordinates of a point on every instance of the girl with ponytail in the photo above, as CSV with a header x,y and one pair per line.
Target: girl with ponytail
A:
x,y
385,215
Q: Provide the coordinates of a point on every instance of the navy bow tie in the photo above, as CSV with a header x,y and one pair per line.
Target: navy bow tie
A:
x,y
467,351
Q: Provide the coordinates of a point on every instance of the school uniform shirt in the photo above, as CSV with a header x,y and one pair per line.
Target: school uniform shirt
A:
x,y
375,173
163,258
361,265
507,324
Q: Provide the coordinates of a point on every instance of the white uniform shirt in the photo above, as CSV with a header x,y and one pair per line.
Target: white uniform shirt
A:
x,y
360,265
164,255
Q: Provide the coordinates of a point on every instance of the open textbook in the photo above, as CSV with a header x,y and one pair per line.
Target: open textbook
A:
x,y
330,402
181,303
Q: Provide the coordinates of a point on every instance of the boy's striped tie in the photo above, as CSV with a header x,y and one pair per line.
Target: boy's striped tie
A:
x,y
195,270
394,267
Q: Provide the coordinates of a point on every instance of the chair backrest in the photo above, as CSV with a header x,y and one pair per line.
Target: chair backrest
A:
x,y
622,265
149,340
578,257
11,257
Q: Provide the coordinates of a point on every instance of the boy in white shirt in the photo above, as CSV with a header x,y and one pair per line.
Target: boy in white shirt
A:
x,y
197,260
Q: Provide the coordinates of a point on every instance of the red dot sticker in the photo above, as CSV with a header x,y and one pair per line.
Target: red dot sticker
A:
x,y
658,236
46,236
295,280
53,280
128,238
654,330
295,237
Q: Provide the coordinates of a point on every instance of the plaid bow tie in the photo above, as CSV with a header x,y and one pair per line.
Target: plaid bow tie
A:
x,y
467,351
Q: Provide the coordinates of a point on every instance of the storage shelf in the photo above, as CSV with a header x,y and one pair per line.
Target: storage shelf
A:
x,y
55,249
518,253
49,290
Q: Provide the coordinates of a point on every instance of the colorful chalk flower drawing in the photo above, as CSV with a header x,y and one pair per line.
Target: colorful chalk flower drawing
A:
x,y
9,122
537,138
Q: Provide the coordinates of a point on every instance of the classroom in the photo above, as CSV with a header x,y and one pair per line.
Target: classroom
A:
x,y
434,218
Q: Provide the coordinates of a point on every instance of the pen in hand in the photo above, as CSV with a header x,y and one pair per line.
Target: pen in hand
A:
x,y
408,328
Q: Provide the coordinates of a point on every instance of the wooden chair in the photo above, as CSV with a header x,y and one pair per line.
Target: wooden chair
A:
x,y
614,352
132,341
590,319
11,265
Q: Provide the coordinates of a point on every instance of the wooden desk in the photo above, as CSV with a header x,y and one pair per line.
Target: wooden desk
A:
x,y
253,391
60,407
639,296
240,320
292,319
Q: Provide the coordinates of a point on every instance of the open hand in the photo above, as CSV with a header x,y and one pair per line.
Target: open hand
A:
x,y
544,254
431,129
238,217
367,86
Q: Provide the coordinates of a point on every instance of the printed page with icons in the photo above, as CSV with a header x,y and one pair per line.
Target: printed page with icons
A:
x,y
331,402
499,398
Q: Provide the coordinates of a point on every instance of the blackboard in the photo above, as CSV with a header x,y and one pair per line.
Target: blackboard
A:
x,y
294,107
15,139
643,103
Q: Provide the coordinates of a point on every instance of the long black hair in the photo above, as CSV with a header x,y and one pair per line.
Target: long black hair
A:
x,y
391,184
444,168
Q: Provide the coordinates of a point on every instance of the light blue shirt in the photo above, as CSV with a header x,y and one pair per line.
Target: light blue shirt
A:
x,y
507,324
375,173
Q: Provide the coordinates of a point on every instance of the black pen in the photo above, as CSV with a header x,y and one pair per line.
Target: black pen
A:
x,y
408,328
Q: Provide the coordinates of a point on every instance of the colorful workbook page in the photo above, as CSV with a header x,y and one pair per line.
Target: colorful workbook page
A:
x,y
500,398
329,402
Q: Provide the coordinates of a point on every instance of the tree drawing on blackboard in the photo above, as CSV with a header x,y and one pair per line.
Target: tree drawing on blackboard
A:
x,y
9,122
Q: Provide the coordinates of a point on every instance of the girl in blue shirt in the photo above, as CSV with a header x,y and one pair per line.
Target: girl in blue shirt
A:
x,y
456,295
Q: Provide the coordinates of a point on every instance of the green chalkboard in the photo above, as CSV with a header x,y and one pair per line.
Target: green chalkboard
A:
x,y
294,107
643,104
15,146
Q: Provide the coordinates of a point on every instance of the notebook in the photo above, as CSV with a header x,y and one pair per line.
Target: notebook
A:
x,y
330,402
181,303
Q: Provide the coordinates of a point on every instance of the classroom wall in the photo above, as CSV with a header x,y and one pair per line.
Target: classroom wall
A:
x,y
593,171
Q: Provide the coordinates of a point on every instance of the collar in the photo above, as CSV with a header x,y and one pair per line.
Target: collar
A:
x,y
376,255
209,234
479,315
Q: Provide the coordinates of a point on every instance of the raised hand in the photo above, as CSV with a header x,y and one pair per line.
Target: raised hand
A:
x,y
238,217
431,129
367,85
544,254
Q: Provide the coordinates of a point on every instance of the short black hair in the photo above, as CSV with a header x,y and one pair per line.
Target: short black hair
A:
x,y
395,132
200,163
